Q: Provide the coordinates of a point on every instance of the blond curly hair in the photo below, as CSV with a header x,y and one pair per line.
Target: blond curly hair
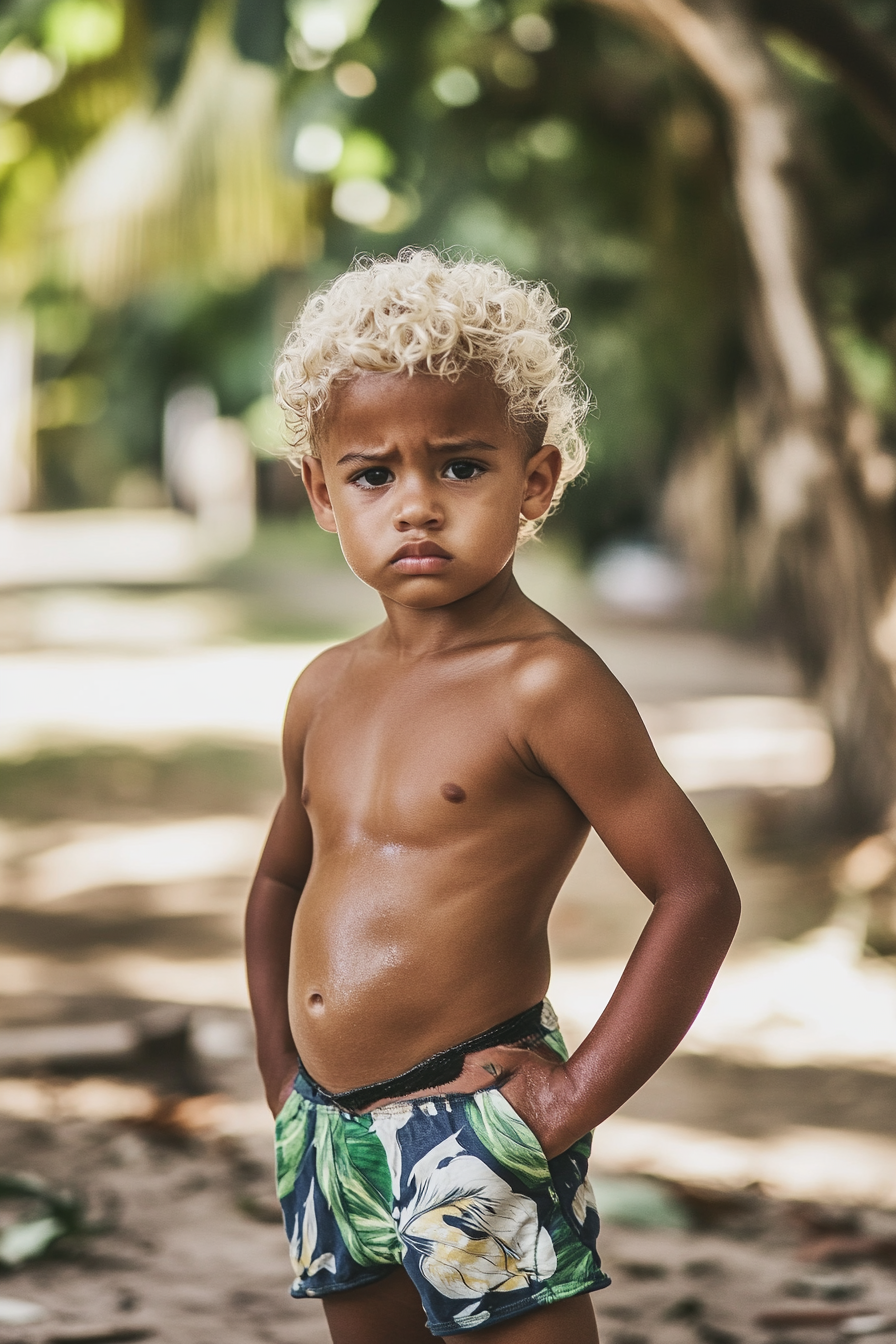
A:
x,y
446,316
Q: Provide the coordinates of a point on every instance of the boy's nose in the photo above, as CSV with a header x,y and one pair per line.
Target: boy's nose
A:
x,y
415,507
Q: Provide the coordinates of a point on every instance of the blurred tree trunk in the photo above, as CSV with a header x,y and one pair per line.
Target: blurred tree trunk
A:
x,y
814,544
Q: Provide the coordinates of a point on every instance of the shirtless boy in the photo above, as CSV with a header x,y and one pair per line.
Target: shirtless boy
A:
x,y
442,774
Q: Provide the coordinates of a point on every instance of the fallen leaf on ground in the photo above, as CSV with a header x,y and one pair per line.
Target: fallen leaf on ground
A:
x,y
714,1334
28,1237
685,1309
823,1220
643,1269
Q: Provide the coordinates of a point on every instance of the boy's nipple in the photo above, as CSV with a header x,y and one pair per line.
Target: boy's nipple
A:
x,y
453,793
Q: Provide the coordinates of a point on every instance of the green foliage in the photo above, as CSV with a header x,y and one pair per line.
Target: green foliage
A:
x,y
546,134
851,184
259,31
869,367
364,154
106,375
84,30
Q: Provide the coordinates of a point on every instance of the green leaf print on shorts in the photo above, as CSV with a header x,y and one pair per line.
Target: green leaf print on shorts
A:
x,y
291,1139
507,1137
353,1176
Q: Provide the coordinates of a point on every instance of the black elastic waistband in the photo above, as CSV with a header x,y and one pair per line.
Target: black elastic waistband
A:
x,y
438,1069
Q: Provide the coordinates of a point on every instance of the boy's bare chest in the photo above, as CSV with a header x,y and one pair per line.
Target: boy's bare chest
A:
x,y
412,761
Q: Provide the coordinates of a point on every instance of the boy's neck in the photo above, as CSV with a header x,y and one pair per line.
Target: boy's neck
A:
x,y
415,633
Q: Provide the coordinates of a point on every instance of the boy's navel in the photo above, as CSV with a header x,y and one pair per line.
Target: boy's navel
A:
x,y
453,793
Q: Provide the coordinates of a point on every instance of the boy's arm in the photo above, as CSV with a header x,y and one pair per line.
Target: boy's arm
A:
x,y
587,735
274,896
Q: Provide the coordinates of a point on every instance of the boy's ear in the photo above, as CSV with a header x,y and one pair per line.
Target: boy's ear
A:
x,y
542,475
314,483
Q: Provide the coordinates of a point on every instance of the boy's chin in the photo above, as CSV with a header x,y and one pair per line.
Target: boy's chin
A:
x,y
423,594
430,594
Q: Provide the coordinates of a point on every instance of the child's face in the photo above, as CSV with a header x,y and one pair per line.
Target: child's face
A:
x,y
425,480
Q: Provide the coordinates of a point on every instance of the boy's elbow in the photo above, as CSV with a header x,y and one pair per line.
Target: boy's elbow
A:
x,y
724,903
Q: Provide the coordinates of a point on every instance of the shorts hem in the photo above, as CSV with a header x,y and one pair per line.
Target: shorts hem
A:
x,y
344,1287
572,1289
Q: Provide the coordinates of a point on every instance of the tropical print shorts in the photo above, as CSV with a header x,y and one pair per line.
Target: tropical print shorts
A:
x,y
455,1187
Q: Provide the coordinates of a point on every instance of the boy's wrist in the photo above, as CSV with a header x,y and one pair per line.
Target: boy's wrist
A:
x,y
573,1103
277,1076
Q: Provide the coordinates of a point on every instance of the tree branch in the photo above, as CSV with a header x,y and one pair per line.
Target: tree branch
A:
x,y
863,61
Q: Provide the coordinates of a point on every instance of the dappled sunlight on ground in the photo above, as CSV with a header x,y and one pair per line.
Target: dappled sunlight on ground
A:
x,y
814,1001
89,619
139,736
741,741
239,692
179,851
799,1162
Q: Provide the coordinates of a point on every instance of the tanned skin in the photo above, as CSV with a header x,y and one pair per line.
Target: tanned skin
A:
x,y
442,774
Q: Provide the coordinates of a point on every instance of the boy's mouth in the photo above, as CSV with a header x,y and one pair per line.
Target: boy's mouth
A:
x,y
420,557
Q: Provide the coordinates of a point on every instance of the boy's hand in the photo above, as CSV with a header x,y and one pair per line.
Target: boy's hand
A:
x,y
538,1088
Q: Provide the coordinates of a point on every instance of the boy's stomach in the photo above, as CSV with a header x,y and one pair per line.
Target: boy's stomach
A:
x,y
389,968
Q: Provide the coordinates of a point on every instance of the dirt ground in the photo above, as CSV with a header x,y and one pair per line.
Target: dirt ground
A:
x,y
188,1251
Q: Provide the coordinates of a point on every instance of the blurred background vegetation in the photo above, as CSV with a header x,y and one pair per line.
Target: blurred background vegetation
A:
x,y
176,176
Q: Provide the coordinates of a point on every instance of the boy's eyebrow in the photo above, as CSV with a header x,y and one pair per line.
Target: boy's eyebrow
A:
x,y
447,446
457,445
361,457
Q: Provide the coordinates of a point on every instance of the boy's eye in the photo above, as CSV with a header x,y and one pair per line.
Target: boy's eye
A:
x,y
463,471
373,477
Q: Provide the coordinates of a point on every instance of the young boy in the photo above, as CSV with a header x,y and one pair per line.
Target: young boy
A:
x,y
442,774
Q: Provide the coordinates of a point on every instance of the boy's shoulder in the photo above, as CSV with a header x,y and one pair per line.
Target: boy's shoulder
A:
x,y
549,657
547,682
568,713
